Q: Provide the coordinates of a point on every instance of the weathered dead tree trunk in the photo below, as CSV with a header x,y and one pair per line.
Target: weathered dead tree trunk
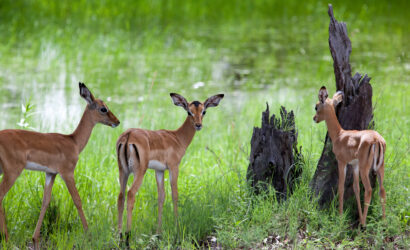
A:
x,y
355,112
274,158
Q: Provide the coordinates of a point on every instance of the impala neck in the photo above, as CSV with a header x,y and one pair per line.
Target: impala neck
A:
x,y
333,125
186,132
83,130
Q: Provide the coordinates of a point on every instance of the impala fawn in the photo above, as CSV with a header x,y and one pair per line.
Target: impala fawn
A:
x,y
364,149
50,153
161,150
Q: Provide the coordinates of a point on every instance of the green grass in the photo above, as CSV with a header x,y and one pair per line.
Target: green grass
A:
x,y
132,55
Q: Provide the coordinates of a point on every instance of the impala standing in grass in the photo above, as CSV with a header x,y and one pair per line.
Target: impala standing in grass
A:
x,y
161,150
50,153
362,149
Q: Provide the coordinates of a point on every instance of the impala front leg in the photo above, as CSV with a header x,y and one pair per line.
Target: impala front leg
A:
x,y
5,185
69,181
46,201
341,184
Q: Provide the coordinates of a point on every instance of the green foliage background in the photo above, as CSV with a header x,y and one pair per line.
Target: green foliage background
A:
x,y
132,54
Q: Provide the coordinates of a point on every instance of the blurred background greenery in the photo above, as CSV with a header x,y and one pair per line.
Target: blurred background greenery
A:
x,y
132,54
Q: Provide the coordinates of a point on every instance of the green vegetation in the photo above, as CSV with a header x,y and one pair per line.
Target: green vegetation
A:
x,y
132,54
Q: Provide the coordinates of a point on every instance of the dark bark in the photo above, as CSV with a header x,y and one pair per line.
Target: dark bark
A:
x,y
354,113
274,158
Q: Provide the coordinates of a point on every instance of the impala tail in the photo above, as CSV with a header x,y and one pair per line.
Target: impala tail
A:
x,y
382,148
378,148
122,151
127,154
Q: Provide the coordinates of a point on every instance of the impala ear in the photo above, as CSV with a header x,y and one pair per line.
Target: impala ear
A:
x,y
86,93
323,94
337,98
213,101
179,100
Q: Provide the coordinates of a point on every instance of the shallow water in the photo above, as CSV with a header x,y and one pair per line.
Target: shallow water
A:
x,y
277,61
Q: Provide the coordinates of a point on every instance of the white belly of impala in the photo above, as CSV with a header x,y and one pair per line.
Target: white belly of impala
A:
x,y
37,167
156,165
355,165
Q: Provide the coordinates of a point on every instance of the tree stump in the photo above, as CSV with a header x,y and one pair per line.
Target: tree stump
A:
x,y
274,158
355,112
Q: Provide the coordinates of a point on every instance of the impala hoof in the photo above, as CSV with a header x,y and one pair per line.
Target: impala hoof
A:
x,y
36,244
3,236
127,239
362,227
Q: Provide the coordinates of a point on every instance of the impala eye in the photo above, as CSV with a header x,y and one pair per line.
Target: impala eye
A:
x,y
103,110
203,113
316,108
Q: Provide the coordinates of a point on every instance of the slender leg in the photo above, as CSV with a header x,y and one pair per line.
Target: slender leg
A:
x,y
131,196
70,183
121,198
382,192
161,197
356,189
5,185
174,188
341,185
46,201
367,195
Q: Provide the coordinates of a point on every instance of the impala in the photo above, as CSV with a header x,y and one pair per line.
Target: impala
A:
x,y
161,150
50,153
363,149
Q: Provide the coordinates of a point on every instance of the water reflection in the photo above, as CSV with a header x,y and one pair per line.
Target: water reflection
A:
x,y
266,63
56,112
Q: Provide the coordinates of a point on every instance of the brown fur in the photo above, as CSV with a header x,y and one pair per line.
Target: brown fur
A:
x,y
349,145
165,146
57,152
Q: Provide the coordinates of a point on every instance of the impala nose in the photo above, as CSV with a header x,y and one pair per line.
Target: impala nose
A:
x,y
198,126
114,125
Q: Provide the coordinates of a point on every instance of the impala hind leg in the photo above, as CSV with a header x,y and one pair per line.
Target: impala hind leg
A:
x,y
367,194
161,197
173,176
356,189
46,201
139,176
382,192
5,185
121,199
124,173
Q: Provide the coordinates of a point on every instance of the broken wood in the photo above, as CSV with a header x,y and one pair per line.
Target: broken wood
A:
x,y
354,113
274,158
